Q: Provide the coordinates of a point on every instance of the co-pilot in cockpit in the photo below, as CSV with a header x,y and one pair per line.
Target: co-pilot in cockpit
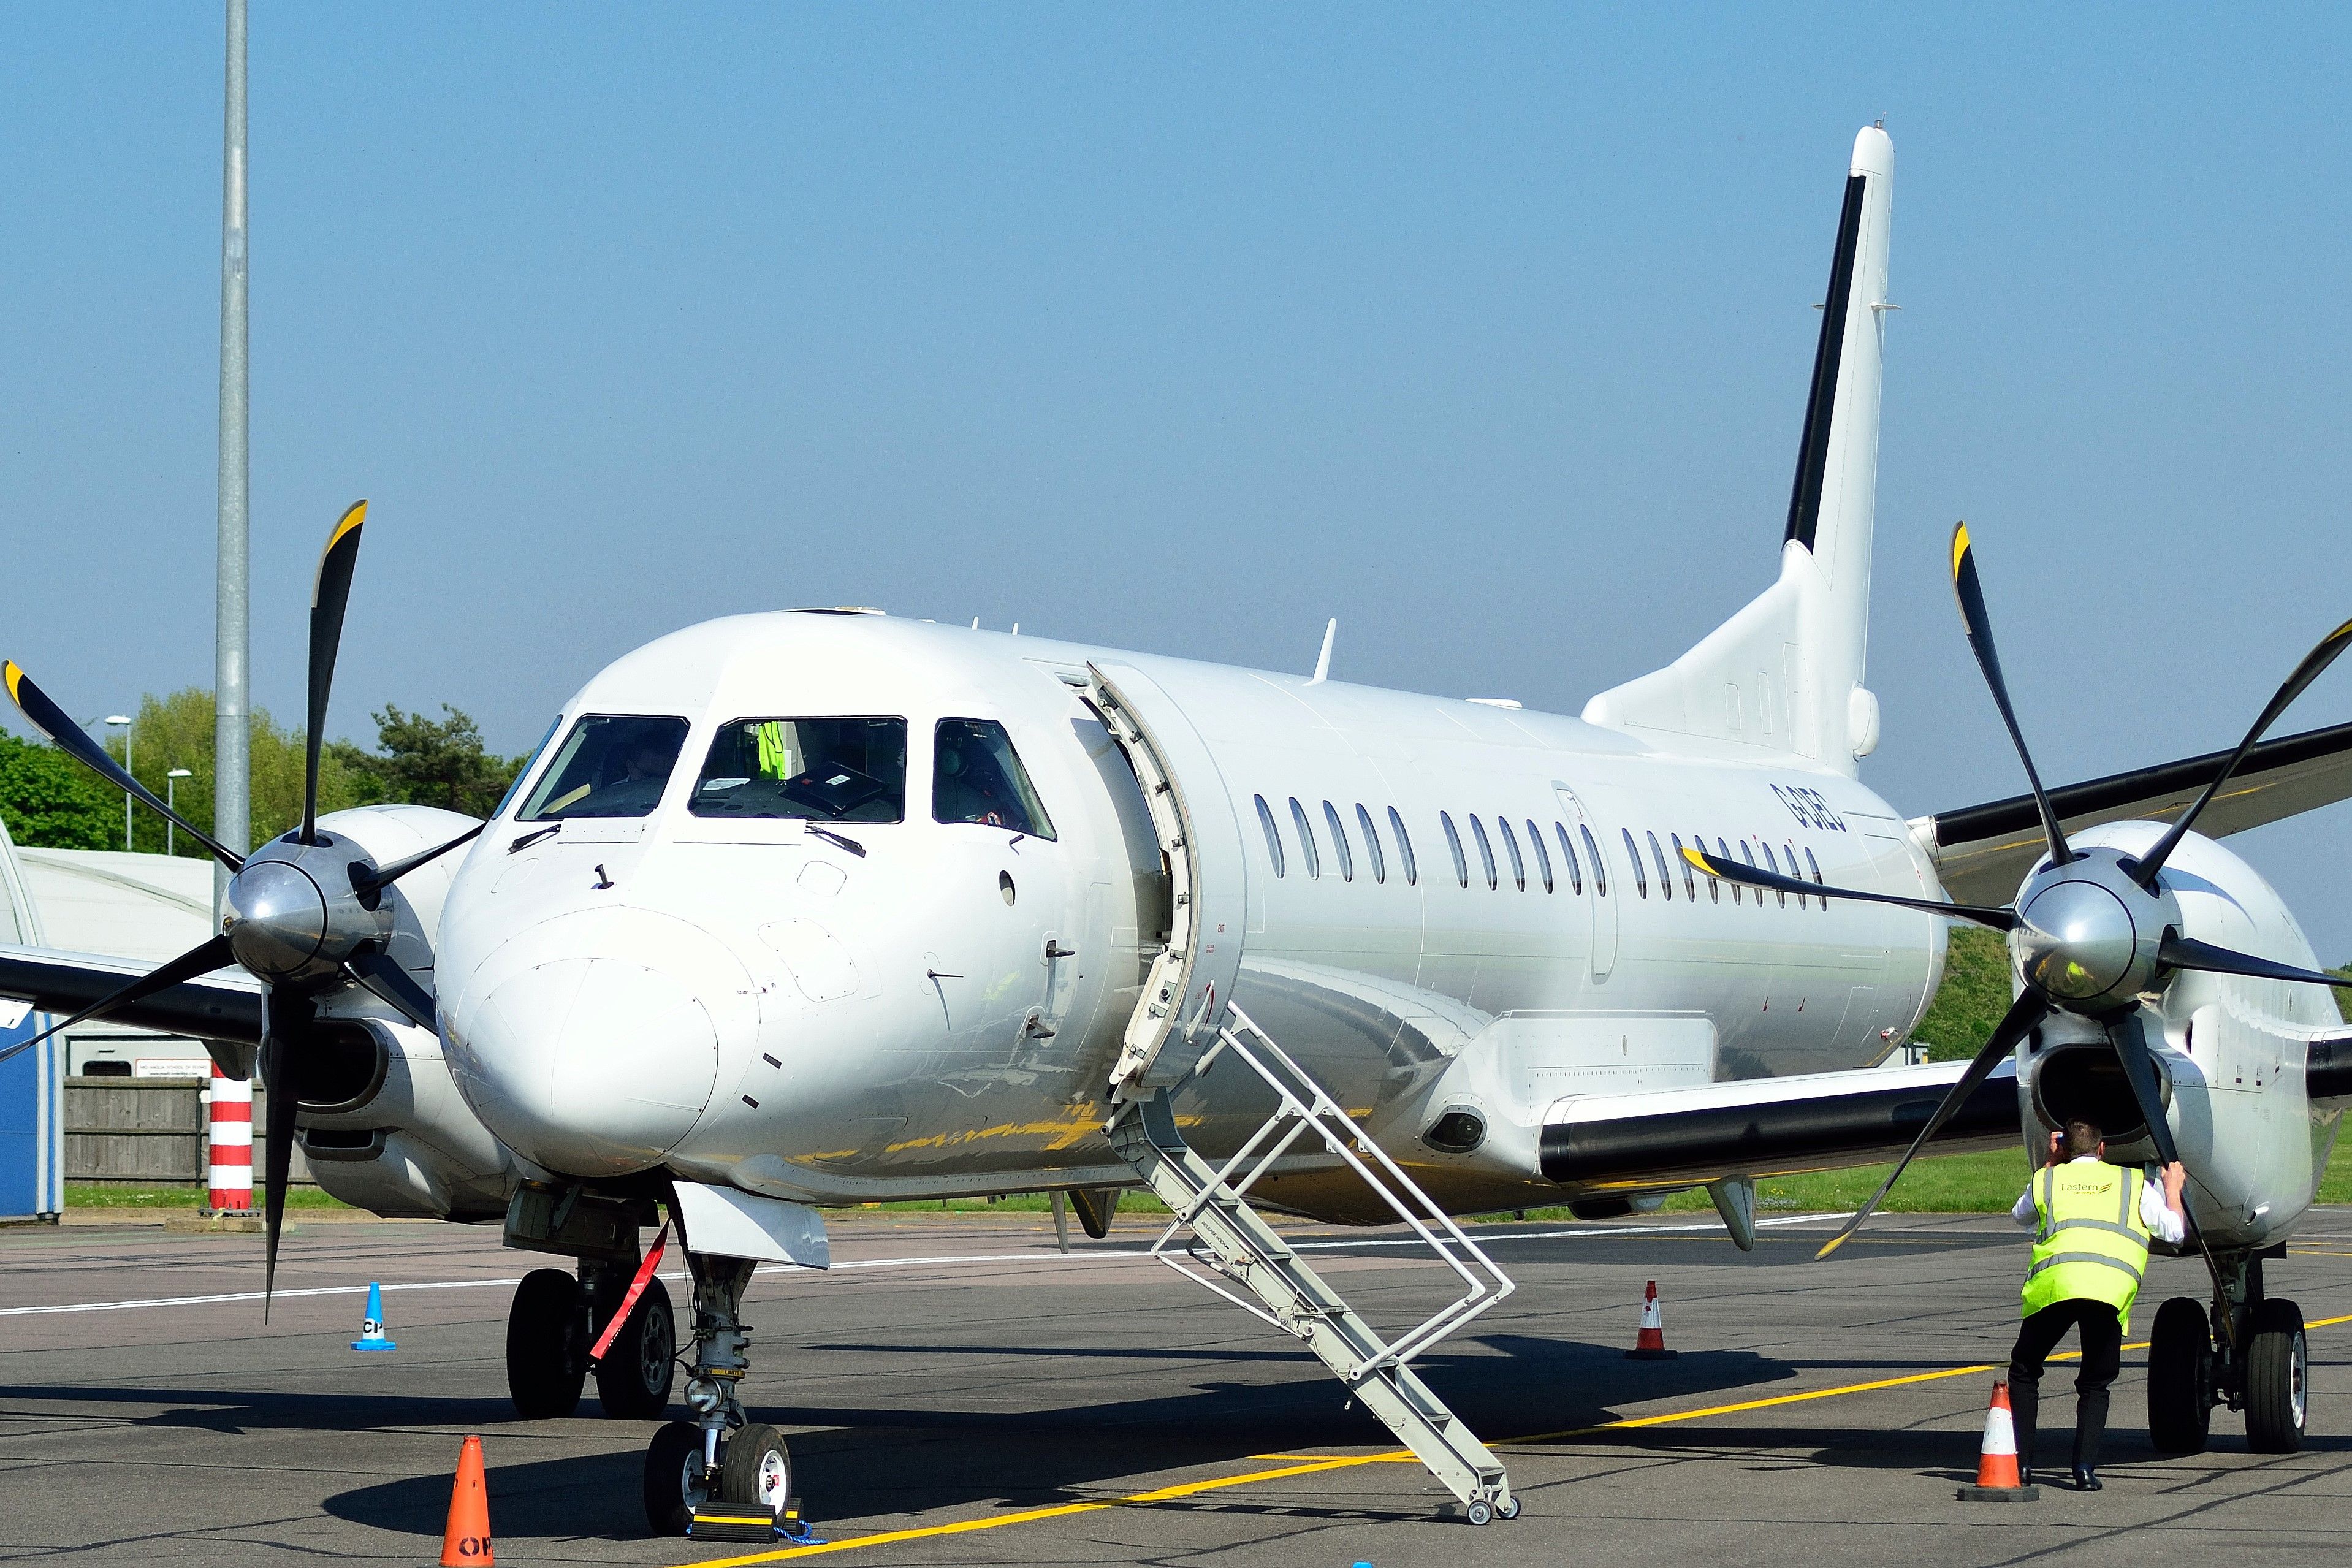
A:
x,y
610,767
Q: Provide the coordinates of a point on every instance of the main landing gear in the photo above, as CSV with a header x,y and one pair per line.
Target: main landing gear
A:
x,y
2249,1353
554,1322
721,1457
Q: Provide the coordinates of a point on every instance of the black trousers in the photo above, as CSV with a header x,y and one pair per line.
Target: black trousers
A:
x,y
2103,1353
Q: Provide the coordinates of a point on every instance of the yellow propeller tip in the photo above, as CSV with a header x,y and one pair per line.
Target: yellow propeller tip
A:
x,y
1959,544
1830,1246
350,521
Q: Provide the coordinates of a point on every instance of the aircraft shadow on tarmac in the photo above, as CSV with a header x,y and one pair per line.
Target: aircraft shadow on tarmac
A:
x,y
868,1461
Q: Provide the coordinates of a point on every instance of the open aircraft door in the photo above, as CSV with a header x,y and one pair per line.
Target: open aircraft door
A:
x,y
1191,980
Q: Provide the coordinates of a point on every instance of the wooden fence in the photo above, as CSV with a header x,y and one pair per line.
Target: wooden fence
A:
x,y
148,1132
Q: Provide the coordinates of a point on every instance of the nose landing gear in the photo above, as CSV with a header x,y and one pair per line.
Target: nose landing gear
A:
x,y
554,1323
2249,1353
721,1458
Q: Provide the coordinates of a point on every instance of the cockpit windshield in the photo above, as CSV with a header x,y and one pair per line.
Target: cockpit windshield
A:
x,y
978,777
610,765
830,770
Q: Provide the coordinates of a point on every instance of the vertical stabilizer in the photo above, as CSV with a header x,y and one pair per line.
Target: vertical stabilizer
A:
x,y
1785,674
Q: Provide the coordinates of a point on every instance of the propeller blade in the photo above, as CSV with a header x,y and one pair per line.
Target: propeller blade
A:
x,y
364,881
2186,953
201,960
1733,871
381,975
2015,1024
331,590
278,1133
52,720
2128,1036
2314,665
1979,626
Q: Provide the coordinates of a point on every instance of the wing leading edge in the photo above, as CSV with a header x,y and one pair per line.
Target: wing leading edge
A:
x,y
1769,1127
1983,852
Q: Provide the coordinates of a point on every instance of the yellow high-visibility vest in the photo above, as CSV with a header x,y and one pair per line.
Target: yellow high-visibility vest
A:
x,y
2091,1245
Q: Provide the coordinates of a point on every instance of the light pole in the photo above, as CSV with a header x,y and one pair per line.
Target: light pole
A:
x,y
171,799
124,719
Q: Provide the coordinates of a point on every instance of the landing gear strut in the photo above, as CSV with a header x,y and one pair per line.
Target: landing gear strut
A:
x,y
2248,1353
721,1456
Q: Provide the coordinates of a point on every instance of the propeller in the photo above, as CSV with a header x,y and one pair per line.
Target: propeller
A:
x,y
303,914
2314,665
331,590
2093,933
51,721
1978,625
210,955
2024,1014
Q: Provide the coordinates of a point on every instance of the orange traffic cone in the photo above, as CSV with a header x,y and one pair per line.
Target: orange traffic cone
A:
x,y
467,1541
1649,1342
1997,1476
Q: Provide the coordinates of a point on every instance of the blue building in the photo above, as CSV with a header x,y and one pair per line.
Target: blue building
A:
x,y
32,1083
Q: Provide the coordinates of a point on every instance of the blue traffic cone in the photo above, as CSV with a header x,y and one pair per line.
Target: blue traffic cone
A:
x,y
371,1330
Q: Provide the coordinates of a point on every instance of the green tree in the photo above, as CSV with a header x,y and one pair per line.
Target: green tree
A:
x,y
428,761
50,800
1974,995
176,731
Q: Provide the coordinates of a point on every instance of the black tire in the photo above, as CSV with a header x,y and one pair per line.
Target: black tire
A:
x,y
755,1471
2180,1378
633,1380
2278,1378
674,1478
547,1345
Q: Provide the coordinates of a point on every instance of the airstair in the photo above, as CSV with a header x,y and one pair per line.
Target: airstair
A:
x,y
1235,1253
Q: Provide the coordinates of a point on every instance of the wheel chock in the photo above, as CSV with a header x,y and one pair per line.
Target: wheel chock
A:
x,y
751,1526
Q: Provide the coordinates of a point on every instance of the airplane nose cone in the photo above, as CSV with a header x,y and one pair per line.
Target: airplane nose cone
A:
x,y
2077,940
596,1065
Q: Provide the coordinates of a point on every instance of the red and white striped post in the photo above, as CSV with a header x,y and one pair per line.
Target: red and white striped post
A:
x,y
230,1129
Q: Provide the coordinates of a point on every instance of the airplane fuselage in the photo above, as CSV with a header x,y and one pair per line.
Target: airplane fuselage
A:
x,y
937,1015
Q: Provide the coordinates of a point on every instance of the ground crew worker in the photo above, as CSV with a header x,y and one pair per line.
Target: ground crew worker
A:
x,y
2092,1223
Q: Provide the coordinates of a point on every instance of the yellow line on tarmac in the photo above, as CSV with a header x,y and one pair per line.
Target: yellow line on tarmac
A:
x,y
1308,1465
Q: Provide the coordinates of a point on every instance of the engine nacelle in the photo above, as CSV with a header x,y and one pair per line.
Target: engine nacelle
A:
x,y
382,1124
2230,1052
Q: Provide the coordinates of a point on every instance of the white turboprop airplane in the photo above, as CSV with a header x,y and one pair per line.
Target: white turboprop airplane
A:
x,y
820,907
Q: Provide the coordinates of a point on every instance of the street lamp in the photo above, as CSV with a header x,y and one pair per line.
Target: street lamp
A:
x,y
171,799
124,719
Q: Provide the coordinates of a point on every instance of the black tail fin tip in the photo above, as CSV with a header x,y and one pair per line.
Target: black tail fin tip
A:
x,y
1813,449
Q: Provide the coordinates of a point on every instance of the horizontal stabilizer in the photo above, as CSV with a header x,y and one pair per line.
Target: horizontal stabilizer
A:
x,y
1770,1126
1983,852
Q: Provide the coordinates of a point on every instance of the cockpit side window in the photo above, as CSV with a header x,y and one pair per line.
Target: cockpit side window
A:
x,y
821,770
610,765
977,777
528,762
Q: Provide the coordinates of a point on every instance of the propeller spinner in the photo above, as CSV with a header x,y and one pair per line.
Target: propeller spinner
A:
x,y
2092,931
304,913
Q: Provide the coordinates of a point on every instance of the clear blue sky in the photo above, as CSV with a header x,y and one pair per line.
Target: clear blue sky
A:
x,y
1483,329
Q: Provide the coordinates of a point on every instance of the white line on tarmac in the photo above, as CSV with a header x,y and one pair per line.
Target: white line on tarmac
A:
x,y
1124,1255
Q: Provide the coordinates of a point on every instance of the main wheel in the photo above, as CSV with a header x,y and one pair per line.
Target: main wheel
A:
x,y
675,1479
547,1345
633,1380
755,1470
2278,1378
2180,1378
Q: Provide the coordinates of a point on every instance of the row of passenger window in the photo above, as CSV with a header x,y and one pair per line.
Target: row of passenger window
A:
x,y
1310,854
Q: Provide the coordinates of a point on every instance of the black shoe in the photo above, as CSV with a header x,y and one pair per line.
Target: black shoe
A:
x,y
2085,1481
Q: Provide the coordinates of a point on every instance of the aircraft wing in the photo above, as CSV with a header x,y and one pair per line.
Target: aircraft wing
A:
x,y
1770,1126
223,1005
1982,852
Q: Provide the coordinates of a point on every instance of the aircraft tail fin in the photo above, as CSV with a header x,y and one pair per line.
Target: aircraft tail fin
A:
x,y
1785,674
